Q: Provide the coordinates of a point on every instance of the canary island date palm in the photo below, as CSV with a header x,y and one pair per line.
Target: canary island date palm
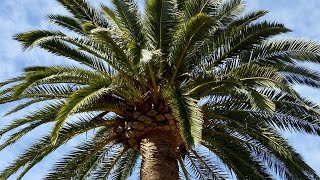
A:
x,y
163,86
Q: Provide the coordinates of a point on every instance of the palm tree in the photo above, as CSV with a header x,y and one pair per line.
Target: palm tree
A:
x,y
186,86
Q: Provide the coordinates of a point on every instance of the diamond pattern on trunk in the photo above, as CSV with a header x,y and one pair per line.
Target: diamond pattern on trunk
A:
x,y
143,124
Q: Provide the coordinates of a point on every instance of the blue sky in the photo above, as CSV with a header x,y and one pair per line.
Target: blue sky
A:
x,y
302,16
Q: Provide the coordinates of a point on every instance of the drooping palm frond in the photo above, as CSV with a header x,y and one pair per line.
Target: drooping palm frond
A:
x,y
205,166
45,146
197,71
189,115
82,162
125,167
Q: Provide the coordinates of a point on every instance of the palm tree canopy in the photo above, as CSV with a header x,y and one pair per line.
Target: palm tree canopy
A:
x,y
213,77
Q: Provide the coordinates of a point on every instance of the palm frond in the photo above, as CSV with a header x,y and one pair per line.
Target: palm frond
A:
x,y
126,165
82,98
83,11
12,80
187,35
102,35
45,146
24,105
129,21
208,168
216,78
108,164
228,11
296,74
183,167
191,8
67,22
244,39
79,162
189,114
54,42
159,22
43,116
284,50
245,20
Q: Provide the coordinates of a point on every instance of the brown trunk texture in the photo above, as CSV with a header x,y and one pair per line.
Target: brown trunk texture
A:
x,y
159,160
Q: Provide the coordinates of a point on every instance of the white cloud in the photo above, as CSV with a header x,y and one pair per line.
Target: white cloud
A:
x,y
308,146
18,16
301,16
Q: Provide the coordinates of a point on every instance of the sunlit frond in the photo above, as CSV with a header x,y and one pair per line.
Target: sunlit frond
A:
x,y
202,77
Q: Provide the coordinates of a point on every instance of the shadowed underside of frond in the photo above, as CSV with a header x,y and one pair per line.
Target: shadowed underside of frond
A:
x,y
185,85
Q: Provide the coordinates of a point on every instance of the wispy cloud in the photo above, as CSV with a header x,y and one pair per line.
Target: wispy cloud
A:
x,y
17,16
301,16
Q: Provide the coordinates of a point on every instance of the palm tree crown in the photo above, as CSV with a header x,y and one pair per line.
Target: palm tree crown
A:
x,y
184,78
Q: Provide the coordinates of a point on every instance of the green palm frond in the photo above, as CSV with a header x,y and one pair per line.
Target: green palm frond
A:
x,y
205,166
84,159
126,165
183,167
108,164
102,35
214,80
249,36
24,105
45,146
58,44
189,114
68,22
129,22
160,22
245,20
300,75
34,38
261,102
228,11
110,15
78,101
189,33
127,17
191,8
284,50
83,11
289,115
42,116
268,139
12,80
194,168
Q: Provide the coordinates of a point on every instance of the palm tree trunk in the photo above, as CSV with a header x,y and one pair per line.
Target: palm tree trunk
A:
x,y
159,160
